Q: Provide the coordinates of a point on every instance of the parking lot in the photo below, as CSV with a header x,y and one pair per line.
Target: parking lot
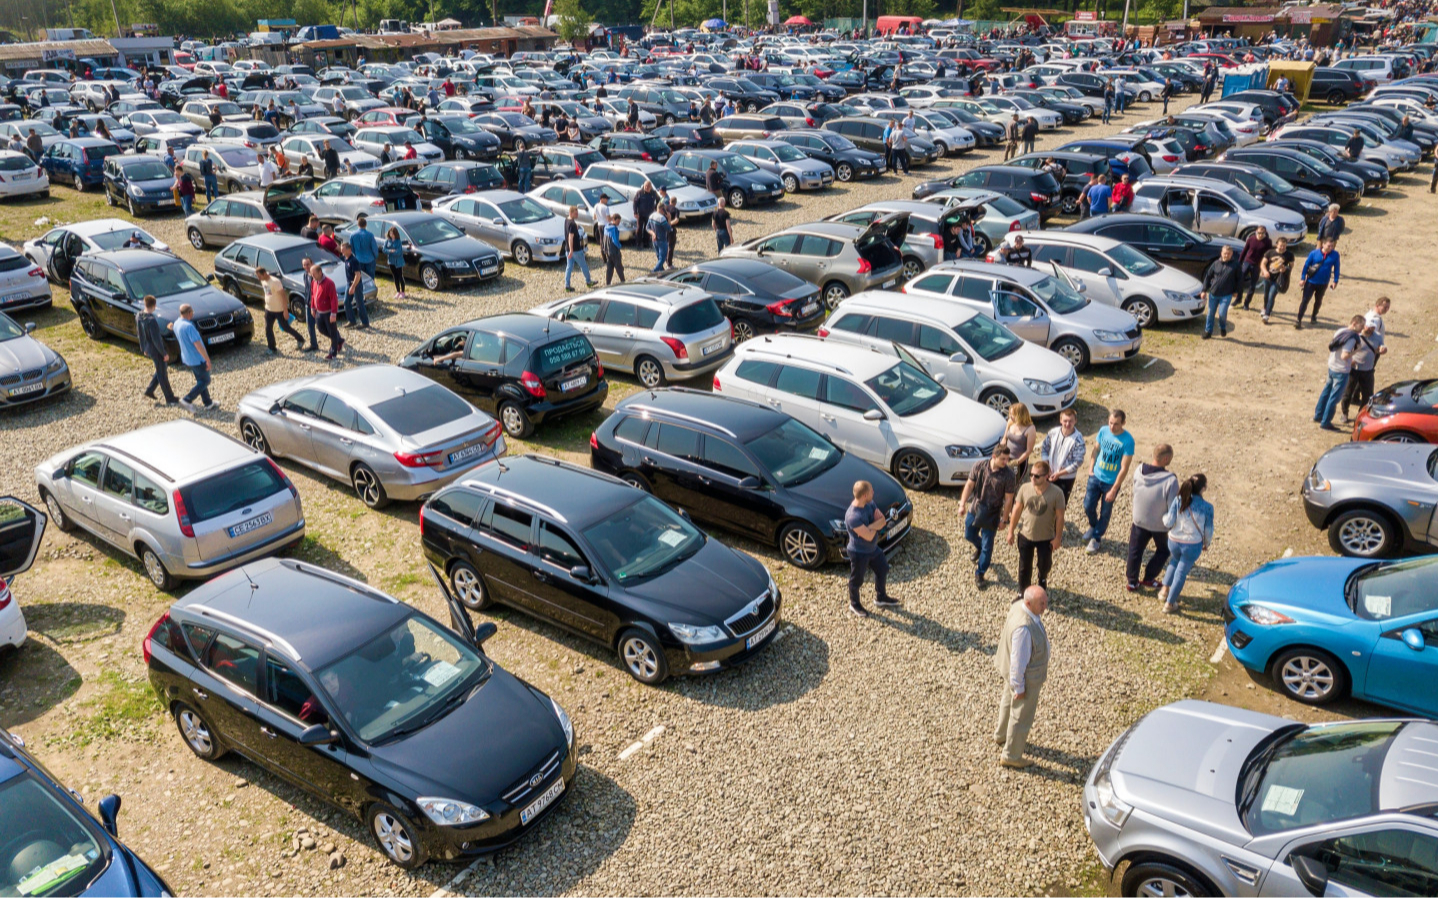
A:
x,y
853,756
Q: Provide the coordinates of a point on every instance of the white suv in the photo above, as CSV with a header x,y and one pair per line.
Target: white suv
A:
x,y
966,350
887,411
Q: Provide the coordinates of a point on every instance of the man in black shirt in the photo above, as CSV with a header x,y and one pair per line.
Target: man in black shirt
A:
x,y
713,181
645,202
1220,282
723,230
332,160
574,250
152,344
1354,146
1018,253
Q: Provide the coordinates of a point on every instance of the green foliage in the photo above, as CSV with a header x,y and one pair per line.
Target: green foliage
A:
x,y
573,22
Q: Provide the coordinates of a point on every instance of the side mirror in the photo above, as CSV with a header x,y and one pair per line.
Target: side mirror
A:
x,y
684,514
1311,873
29,327
749,483
961,358
1413,638
109,813
1105,272
582,573
484,632
1081,287
873,414
497,222
319,734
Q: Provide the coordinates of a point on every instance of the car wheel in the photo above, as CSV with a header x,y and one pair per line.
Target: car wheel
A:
x,y
1153,878
1145,97
519,144
298,307
429,276
130,204
469,587
649,372
1069,204
1311,676
232,287
196,732
636,480
844,171
998,400
516,422
669,119
834,293
395,836
912,268
643,657
941,148
110,198
522,254
1142,310
254,437
915,470
1335,98
736,198
802,546
461,153
743,330
197,240
1400,436
1073,351
753,107
367,486
1362,533
57,514
155,569
233,187
982,244
791,184
90,325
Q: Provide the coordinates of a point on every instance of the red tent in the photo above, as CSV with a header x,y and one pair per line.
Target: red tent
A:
x,y
798,20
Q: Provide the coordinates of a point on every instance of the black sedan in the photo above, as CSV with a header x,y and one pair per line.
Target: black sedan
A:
x,y
756,297
1302,170
849,162
1261,184
1163,240
366,703
594,556
753,470
516,130
436,252
640,147
1375,177
688,136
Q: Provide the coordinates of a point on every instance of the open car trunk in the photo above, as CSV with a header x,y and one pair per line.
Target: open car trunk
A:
x,y
283,203
880,241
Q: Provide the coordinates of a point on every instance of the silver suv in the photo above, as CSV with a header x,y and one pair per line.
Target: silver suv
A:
x,y
795,168
659,331
188,501
1215,207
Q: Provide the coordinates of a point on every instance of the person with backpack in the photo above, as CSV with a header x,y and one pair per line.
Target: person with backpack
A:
x,y
1340,365
1189,521
1360,379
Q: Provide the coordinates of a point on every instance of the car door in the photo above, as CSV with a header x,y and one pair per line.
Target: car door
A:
x,y
796,392
1216,215
289,427
247,258
672,462
841,420
226,686
503,542
578,602
1378,857
735,494
290,705
937,348
80,487
480,371
1021,315
112,502
780,250
213,222
113,307
1088,268
1172,245
1404,665
332,437
490,225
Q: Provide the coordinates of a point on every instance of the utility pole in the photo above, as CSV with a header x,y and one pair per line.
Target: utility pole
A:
x,y
1122,29
866,15
113,9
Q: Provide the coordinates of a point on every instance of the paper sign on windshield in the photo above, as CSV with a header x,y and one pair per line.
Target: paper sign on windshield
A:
x,y
1282,800
1378,606
439,673
671,538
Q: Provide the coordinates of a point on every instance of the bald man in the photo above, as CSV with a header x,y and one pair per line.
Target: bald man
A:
x,y
1022,659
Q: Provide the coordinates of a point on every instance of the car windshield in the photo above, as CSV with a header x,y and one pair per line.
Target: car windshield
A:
x,y
1133,261
399,136
1058,296
116,238
354,93
736,165
420,411
290,259
148,171
402,680
643,540
988,338
906,390
228,109
1396,589
839,142
1315,775
461,126
524,211
669,180
38,127
167,118
431,231
516,119
787,153
592,195
237,157
46,847
164,280
1271,181
1245,201
794,454
9,330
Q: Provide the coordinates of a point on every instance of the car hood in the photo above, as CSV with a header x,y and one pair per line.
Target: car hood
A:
x,y
1098,316
1399,466
458,757
467,248
731,581
24,353
1036,363
1312,584
1170,278
1182,761
156,185
957,419
832,491
1398,397
204,300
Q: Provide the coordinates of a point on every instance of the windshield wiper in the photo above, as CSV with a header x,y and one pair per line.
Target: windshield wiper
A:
x,y
1251,774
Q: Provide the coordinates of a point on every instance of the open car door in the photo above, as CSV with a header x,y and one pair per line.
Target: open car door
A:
x,y
459,619
62,260
22,527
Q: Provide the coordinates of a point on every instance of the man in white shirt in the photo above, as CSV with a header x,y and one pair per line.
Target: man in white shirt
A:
x,y
268,171
1022,659
601,218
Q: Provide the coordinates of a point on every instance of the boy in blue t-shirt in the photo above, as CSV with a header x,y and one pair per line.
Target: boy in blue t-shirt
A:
x,y
1112,457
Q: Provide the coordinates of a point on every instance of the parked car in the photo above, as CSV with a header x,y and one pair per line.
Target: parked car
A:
x,y
755,296
1304,171
373,140
795,168
687,136
994,214
1374,498
78,161
322,124
1215,207
516,130
1078,168
1160,239
142,182
440,180
1404,412
514,224
629,177
302,148
585,195
21,177
1262,184
258,136
923,242
1036,190
281,255
29,371
393,718
457,136
1337,86
436,253
23,284
57,249
274,209
840,258
848,161
237,168
747,468
743,183
158,143
867,132
347,101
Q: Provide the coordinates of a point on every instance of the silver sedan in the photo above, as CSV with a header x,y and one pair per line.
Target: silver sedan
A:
x,y
343,198
1375,499
388,432
585,195
510,222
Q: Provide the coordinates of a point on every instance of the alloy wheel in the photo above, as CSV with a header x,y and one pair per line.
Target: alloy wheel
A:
x,y
196,733
1362,536
800,547
367,486
1307,677
1143,312
639,657
429,275
57,514
197,240
522,255
155,569
912,269
1162,887
467,586
791,184
914,470
834,294
743,330
393,837
650,373
999,401
845,172
1399,437
254,437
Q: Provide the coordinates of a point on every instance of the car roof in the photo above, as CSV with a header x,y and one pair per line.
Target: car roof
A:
x,y
337,614
736,267
372,384
1011,169
526,327
179,450
654,291
1191,181
1018,273
275,241
577,496
740,418
902,304
136,259
859,362
828,228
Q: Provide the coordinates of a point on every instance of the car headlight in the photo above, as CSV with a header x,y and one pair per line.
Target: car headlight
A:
x,y
57,364
1317,482
448,812
1265,616
456,264
242,314
136,191
838,526
1177,296
1110,336
963,451
692,635
1311,207
1043,388
1114,809
564,722
689,206
548,241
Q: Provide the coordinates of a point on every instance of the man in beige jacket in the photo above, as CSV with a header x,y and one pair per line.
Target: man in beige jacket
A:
x,y
1022,659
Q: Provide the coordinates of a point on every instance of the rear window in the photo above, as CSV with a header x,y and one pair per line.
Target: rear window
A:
x,y
699,316
234,489
552,357
15,163
264,132
15,263
584,160
421,410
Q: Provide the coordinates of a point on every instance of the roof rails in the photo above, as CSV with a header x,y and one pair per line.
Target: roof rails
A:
x,y
248,627
517,498
337,579
817,339
683,417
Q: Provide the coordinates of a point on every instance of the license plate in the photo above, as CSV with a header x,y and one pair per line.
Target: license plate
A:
x,y
28,388
890,283
23,176
164,202
13,297
252,524
712,347
542,802
810,308
1069,397
898,527
467,452
574,384
220,338
763,633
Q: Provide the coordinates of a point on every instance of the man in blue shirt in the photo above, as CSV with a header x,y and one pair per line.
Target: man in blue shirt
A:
x,y
354,289
365,247
1112,457
194,356
1098,196
864,521
1320,271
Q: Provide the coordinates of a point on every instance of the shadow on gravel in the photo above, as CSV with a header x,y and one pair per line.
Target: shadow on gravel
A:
x,y
49,411
920,626
1368,212
784,671
1108,616
33,679
1057,764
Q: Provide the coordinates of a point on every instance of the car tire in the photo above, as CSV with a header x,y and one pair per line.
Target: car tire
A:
x,y
1143,311
519,144
1000,401
91,325
232,287
915,470
1335,98
233,187
736,198
913,267
649,372
367,486
199,736
941,147
1363,533
130,204
1145,97
522,253
461,154
110,198
396,837
253,436
802,546
669,119
844,172
743,330
1310,676
469,587
1073,351
636,480
643,657
429,276
1400,436
57,514
791,184
197,240
155,569
1158,878
1069,204
835,292
752,108
513,419
982,244
298,307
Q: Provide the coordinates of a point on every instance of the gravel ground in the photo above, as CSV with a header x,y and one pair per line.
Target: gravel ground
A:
x,y
852,757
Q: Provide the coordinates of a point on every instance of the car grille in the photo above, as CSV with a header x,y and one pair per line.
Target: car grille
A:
x,y
11,380
1066,383
988,451
522,789
481,264
211,322
1132,334
750,619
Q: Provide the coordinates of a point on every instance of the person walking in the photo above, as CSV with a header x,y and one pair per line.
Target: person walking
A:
x,y
1154,487
1011,137
1220,282
1020,435
1275,269
1340,364
331,157
1210,80
365,246
723,226
1189,520
574,241
669,208
645,202
659,233
524,168
207,172
864,522
324,303
1320,274
196,357
1332,225
356,314
1360,378
1167,93
987,499
901,137
1107,100
1064,449
1022,659
1029,133
152,344
1250,261
1112,457
1037,526
613,255
394,257
277,309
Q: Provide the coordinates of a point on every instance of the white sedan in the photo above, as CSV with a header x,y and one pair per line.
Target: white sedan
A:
x,y
1047,119
20,176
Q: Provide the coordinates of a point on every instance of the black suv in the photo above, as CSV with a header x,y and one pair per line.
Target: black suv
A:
x,y
792,90
849,161
747,95
522,369
595,556
745,467
1375,176
1037,190
867,132
1302,170
667,104
1337,86
755,296
1078,168
140,183
1261,184
688,136
632,146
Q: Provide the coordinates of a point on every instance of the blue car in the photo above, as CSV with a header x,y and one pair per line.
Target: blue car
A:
x,y
49,845
78,161
1323,628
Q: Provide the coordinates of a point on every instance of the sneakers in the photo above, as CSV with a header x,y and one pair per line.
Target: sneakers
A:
x,y
1149,584
1131,587
1170,609
1206,336
858,611
889,602
1093,547
1020,764
309,349
210,406
187,406
1163,593
1223,330
979,580
1265,319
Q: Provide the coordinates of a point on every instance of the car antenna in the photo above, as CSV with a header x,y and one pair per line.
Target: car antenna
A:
x,y
254,587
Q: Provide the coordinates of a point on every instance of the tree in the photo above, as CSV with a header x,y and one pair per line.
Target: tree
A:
x,y
573,23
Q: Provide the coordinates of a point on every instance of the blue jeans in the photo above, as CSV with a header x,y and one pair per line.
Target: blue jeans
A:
x,y
661,252
187,202
573,260
983,540
1217,308
212,188
1270,293
1184,557
526,180
202,383
1107,111
355,298
721,238
1328,399
1096,508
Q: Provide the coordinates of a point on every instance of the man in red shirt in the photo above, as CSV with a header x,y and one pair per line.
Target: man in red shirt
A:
x,y
409,151
324,303
448,88
327,239
1122,196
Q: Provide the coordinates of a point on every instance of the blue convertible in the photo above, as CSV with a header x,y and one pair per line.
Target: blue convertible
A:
x,y
1327,627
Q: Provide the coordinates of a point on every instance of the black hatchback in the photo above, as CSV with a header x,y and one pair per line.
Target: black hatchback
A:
x,y
1304,171
140,183
365,702
1036,190
1261,184
641,147
522,369
441,179
756,297
595,556
747,468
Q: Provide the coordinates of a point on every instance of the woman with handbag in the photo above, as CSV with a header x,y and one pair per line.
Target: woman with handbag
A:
x,y
1189,520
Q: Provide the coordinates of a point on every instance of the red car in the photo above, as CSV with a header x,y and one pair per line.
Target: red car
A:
x,y
1406,412
388,115
1224,62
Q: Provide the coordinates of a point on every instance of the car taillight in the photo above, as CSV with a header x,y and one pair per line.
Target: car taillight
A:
x,y
149,637
778,308
824,331
377,202
289,484
272,227
532,385
864,266
35,272
5,597
1169,157
809,122
717,387
938,241
1039,197
1015,226
471,189
577,169
251,144
646,157
677,347
593,440
419,459
182,515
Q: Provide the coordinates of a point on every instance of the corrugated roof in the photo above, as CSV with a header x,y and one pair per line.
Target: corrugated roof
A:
x,y
36,50
436,39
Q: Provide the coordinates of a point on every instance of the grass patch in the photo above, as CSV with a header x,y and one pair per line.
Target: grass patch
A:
x,y
122,709
402,581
